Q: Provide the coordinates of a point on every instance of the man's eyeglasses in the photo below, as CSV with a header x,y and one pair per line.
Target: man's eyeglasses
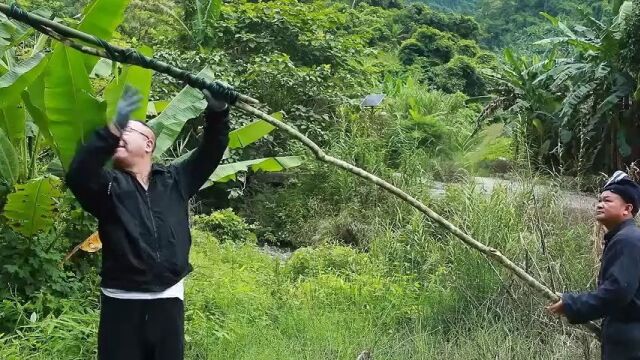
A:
x,y
127,129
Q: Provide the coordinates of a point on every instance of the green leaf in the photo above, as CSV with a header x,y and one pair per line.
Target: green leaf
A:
x,y
615,5
625,11
140,78
188,104
552,19
251,133
623,146
7,27
214,9
30,209
9,166
565,135
226,172
137,77
33,99
566,30
13,32
72,111
102,69
19,77
38,115
584,45
101,18
12,122
510,57
161,105
576,97
537,124
552,41
485,99
156,107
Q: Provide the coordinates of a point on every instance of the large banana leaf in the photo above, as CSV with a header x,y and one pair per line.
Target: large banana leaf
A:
x,y
12,121
624,13
30,209
137,77
251,133
9,166
226,172
244,136
188,104
616,4
207,10
70,107
101,18
33,99
13,33
19,77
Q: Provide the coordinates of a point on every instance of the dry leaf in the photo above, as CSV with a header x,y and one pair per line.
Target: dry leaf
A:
x,y
92,243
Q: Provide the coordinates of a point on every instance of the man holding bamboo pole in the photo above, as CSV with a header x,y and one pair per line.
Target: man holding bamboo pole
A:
x,y
142,212
617,298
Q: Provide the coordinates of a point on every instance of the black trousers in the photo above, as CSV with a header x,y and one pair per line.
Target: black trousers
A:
x,y
141,329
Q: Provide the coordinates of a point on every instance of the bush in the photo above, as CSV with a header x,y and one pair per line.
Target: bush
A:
x,y
468,48
438,46
337,260
461,74
410,50
226,226
427,35
442,50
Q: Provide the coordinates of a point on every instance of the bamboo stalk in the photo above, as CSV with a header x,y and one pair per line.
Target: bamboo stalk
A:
x,y
61,32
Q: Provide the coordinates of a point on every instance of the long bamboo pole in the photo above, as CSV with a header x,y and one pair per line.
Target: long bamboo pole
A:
x,y
63,33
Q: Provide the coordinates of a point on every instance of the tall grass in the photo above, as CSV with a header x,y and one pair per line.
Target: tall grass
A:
x,y
414,293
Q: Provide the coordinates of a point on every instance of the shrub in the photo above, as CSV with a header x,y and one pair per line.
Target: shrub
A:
x,y
467,48
338,260
226,226
410,50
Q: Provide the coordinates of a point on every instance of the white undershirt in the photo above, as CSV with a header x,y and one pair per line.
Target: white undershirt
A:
x,y
176,291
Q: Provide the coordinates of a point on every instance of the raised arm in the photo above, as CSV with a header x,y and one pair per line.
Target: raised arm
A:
x,y
194,171
86,177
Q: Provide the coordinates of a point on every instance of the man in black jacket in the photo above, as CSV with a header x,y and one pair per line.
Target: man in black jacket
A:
x,y
142,213
617,298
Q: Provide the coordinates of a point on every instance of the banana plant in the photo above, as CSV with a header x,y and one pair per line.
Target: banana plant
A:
x,y
531,108
567,102
40,98
593,82
45,92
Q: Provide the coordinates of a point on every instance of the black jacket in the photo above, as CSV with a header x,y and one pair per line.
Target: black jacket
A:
x,y
617,298
145,233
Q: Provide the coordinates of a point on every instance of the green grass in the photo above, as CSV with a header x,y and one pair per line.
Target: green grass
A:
x,y
416,293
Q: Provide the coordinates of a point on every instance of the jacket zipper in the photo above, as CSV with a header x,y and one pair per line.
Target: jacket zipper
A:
x,y
153,224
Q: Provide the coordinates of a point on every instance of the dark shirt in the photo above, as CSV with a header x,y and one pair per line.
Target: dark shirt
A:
x,y
618,292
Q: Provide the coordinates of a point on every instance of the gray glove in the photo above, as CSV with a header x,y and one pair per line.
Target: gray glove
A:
x,y
129,102
214,104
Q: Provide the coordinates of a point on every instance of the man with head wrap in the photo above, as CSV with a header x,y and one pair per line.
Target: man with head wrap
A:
x,y
617,298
